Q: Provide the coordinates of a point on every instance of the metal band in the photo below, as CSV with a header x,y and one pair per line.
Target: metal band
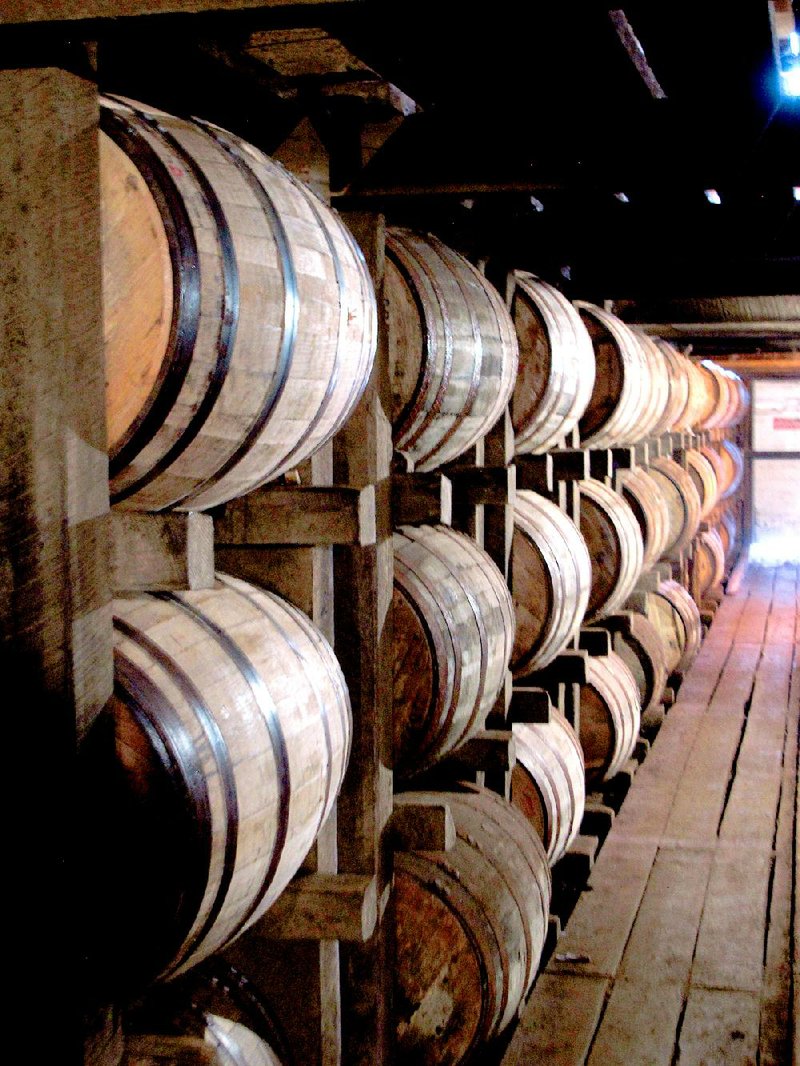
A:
x,y
307,672
406,577
414,270
431,875
122,129
340,287
291,311
229,316
413,534
163,726
222,759
446,255
264,702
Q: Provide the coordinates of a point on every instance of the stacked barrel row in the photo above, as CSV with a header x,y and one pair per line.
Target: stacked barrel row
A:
x,y
567,371
241,331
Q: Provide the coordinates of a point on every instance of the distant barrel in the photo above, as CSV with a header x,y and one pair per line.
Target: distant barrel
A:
x,y
615,545
556,365
610,717
453,351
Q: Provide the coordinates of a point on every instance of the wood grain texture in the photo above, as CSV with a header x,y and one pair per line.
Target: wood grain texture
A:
x,y
453,350
470,930
548,782
263,344
230,732
151,552
610,717
556,365
647,502
453,634
631,383
615,544
39,11
683,502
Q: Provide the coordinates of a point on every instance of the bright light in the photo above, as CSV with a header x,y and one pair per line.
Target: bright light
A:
x,y
622,197
537,205
791,80
775,548
796,192
713,196
794,43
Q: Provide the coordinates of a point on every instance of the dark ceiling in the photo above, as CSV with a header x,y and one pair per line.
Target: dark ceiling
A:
x,y
532,100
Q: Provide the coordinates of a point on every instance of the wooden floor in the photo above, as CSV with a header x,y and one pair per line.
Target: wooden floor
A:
x,y
685,947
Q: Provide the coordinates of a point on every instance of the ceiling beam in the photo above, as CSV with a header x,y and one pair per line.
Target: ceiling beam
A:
x,y
23,11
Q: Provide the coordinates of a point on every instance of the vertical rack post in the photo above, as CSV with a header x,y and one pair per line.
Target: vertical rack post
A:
x,y
56,617
363,579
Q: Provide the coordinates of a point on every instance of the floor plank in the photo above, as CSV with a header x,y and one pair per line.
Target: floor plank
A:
x,y
720,1028
684,947
561,1022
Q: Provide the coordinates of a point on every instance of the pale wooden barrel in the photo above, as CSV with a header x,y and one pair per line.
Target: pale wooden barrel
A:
x,y
230,733
721,386
743,398
453,635
548,782
610,717
638,643
712,456
702,473
701,397
615,545
708,563
678,386
732,469
621,396
675,616
470,929
550,578
655,418
682,499
647,502
556,365
728,529
240,320
453,351
236,1045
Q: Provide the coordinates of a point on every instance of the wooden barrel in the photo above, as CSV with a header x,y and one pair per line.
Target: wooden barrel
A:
x,y
240,321
656,416
708,563
470,928
550,577
236,1045
702,473
220,1006
453,351
224,746
675,617
637,642
621,394
712,456
682,499
722,387
678,374
728,529
701,396
732,469
610,717
453,634
743,398
548,782
556,365
615,545
222,1043
647,502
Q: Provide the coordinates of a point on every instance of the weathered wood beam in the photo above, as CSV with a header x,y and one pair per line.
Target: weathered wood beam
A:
x,y
300,514
323,907
158,552
19,11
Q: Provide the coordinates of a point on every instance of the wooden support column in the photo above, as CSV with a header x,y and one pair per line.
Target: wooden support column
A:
x,y
56,619
363,577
